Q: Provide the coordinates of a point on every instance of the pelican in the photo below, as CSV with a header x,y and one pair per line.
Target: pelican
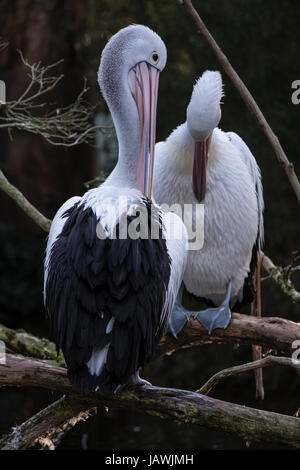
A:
x,y
109,293
199,163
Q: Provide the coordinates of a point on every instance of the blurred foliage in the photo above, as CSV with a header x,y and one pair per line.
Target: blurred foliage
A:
x,y
261,40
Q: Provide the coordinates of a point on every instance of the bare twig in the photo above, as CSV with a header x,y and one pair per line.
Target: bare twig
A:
x,y
179,405
23,203
67,126
281,277
232,371
248,99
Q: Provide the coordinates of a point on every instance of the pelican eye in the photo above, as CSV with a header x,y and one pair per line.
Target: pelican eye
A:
x,y
154,58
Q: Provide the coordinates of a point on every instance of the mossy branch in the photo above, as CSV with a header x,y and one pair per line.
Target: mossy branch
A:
x,y
21,342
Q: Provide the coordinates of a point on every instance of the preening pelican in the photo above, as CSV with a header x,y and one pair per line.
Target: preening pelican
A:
x,y
199,163
109,293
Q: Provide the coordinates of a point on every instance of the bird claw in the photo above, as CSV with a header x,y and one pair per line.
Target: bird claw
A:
x,y
135,379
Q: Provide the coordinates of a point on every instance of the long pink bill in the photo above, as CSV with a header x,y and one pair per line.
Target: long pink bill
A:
x,y
143,82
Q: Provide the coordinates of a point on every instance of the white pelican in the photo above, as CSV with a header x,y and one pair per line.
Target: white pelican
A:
x,y
197,163
109,295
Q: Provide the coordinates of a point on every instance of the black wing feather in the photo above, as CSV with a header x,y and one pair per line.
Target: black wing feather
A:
x,y
89,282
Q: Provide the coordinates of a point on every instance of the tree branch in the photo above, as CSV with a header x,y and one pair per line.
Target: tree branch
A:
x,y
21,342
272,333
15,194
275,333
175,404
44,426
278,274
230,372
247,98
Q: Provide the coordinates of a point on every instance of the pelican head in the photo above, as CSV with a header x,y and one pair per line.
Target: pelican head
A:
x,y
203,115
128,77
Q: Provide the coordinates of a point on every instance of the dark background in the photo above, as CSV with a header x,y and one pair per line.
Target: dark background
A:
x,y
261,39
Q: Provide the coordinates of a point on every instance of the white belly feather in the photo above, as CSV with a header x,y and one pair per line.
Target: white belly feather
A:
x,y
230,208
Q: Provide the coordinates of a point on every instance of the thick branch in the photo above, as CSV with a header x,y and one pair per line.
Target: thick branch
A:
x,y
248,99
22,202
278,275
230,372
21,342
175,404
273,333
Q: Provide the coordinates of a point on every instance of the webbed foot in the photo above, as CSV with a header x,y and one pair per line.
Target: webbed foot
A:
x,y
178,318
218,317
